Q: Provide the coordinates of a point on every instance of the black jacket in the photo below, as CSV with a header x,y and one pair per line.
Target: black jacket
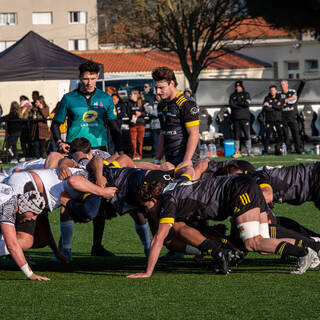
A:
x,y
272,108
132,107
239,104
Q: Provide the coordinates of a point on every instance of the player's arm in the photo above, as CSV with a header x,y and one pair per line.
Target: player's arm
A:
x,y
16,252
160,148
63,167
192,143
293,98
155,248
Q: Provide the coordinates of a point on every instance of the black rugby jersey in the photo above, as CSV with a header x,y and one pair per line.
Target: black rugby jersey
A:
x,y
175,116
294,184
289,110
215,199
272,109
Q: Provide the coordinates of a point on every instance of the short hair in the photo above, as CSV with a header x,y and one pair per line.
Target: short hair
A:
x,y
89,66
273,86
23,98
285,81
164,73
80,144
150,190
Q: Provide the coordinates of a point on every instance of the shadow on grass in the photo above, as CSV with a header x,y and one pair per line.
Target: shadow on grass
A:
x,y
118,265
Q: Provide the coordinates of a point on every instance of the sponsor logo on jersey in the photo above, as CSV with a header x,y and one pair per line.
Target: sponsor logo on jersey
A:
x,y
101,105
194,110
90,116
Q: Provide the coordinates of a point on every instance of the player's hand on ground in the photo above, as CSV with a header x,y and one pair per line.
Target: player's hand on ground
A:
x,y
109,192
40,278
101,181
138,275
166,166
64,172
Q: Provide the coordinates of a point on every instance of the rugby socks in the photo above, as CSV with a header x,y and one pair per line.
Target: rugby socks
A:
x,y
98,229
66,229
279,232
285,248
144,235
192,250
209,246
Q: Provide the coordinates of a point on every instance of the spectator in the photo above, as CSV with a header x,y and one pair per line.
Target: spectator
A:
x,y
155,127
272,108
13,130
40,130
147,93
188,92
239,103
136,113
25,138
289,115
111,90
120,108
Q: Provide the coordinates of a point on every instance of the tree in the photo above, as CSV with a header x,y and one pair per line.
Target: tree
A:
x,y
293,15
198,31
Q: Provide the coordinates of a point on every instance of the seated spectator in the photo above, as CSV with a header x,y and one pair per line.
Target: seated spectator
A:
x,y
40,130
136,113
155,127
13,130
25,138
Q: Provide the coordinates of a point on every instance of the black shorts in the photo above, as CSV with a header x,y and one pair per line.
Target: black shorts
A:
x,y
26,227
244,195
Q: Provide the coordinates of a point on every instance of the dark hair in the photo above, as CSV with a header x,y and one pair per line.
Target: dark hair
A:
x,y
35,95
80,144
164,73
42,101
23,98
273,86
89,66
150,190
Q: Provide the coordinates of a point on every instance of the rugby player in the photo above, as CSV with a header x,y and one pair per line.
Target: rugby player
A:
x,y
216,199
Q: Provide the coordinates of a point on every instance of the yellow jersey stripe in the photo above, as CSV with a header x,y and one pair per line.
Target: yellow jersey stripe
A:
x,y
265,185
116,164
186,175
106,162
86,195
242,200
167,220
179,94
192,123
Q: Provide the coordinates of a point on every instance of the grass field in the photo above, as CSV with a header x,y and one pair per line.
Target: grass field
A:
x,y
96,288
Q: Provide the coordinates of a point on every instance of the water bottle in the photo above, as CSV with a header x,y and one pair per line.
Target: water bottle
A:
x,y
212,150
284,149
317,149
203,151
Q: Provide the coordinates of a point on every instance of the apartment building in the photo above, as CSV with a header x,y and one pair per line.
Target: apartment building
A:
x,y
72,24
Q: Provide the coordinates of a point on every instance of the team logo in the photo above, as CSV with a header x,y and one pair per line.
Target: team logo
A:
x,y
165,108
114,111
90,116
194,110
101,105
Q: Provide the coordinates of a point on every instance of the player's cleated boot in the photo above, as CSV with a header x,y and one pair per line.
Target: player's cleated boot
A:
x,y
305,262
100,251
221,259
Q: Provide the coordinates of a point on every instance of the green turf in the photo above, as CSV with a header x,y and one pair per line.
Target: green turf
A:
x,y
96,288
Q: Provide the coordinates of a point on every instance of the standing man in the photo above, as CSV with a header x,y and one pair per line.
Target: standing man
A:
x,y
239,103
179,119
272,108
289,115
88,110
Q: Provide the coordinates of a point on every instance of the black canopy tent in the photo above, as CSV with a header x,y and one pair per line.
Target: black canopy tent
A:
x,y
35,58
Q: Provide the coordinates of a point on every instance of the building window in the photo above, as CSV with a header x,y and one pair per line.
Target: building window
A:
x,y
293,70
77,17
77,44
42,18
6,44
8,19
311,65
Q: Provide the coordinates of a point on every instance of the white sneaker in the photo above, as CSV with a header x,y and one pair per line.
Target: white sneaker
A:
x,y
304,262
14,161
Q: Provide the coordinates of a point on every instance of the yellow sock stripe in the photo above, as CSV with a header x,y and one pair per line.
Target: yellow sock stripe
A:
x,y
281,249
299,243
86,195
116,164
167,220
186,175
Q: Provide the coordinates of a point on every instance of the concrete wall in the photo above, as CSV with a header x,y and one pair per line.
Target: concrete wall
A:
x,y
60,31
